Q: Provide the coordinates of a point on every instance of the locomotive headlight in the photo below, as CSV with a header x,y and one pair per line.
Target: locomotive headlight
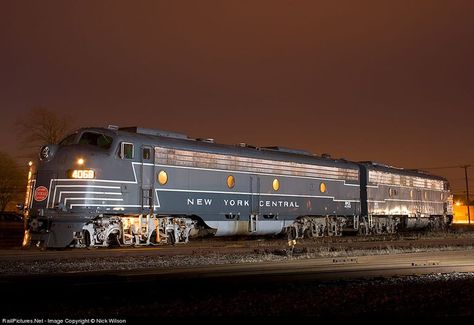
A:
x,y
81,173
80,161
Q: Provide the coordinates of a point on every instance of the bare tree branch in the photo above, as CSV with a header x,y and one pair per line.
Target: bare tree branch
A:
x,y
12,180
41,126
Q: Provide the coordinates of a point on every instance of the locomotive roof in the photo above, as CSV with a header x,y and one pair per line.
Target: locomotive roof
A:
x,y
402,171
169,139
157,137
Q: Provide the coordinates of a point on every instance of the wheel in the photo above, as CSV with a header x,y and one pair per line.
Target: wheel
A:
x,y
113,240
291,233
171,238
87,238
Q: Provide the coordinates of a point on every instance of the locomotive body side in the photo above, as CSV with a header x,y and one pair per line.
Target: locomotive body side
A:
x,y
241,191
137,186
405,199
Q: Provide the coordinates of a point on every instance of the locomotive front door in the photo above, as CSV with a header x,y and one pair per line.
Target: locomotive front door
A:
x,y
254,202
147,179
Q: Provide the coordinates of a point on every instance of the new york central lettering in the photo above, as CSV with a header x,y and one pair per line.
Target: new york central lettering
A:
x,y
280,204
199,201
245,203
239,203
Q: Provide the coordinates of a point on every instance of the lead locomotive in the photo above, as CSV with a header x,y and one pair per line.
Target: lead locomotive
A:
x,y
137,186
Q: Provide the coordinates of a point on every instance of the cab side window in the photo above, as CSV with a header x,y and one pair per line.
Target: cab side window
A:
x,y
126,150
146,153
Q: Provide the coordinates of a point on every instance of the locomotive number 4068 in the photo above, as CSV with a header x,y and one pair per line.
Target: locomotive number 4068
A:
x,y
81,173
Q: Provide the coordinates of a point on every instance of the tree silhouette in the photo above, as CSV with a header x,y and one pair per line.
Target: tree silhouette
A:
x,y
41,126
12,180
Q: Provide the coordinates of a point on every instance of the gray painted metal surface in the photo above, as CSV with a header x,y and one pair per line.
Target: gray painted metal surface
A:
x,y
197,187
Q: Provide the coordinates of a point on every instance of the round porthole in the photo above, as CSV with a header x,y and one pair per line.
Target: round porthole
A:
x,y
322,187
162,177
276,184
230,181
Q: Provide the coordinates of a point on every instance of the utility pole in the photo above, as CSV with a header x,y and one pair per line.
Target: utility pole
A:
x,y
467,193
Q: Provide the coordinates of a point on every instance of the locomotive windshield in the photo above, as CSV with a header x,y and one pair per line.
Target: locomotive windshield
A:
x,y
70,139
96,139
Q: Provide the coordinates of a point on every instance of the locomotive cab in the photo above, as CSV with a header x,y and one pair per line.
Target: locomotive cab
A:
x,y
64,175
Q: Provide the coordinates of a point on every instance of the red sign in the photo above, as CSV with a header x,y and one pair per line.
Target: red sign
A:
x,y
41,193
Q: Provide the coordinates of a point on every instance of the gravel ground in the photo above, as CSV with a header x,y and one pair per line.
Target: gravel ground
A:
x,y
61,265
429,296
87,264
434,296
438,296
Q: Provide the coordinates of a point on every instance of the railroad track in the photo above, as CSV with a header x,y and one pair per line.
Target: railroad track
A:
x,y
253,246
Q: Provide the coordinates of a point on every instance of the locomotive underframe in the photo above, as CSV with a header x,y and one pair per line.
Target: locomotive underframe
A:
x,y
320,226
134,231
108,230
140,230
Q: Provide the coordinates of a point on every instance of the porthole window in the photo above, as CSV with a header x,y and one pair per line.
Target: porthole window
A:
x,y
276,184
230,181
322,187
162,177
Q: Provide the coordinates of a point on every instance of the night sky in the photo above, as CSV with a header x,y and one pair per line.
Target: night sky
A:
x,y
389,81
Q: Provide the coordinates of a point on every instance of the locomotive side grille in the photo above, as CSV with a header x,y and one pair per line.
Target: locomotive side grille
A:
x,y
378,177
196,159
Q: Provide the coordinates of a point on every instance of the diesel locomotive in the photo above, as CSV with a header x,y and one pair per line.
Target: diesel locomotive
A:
x,y
138,186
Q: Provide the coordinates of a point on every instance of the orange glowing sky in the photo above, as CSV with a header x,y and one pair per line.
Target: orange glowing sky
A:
x,y
390,81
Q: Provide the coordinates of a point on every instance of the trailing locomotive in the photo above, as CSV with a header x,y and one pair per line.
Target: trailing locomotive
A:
x,y
137,186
